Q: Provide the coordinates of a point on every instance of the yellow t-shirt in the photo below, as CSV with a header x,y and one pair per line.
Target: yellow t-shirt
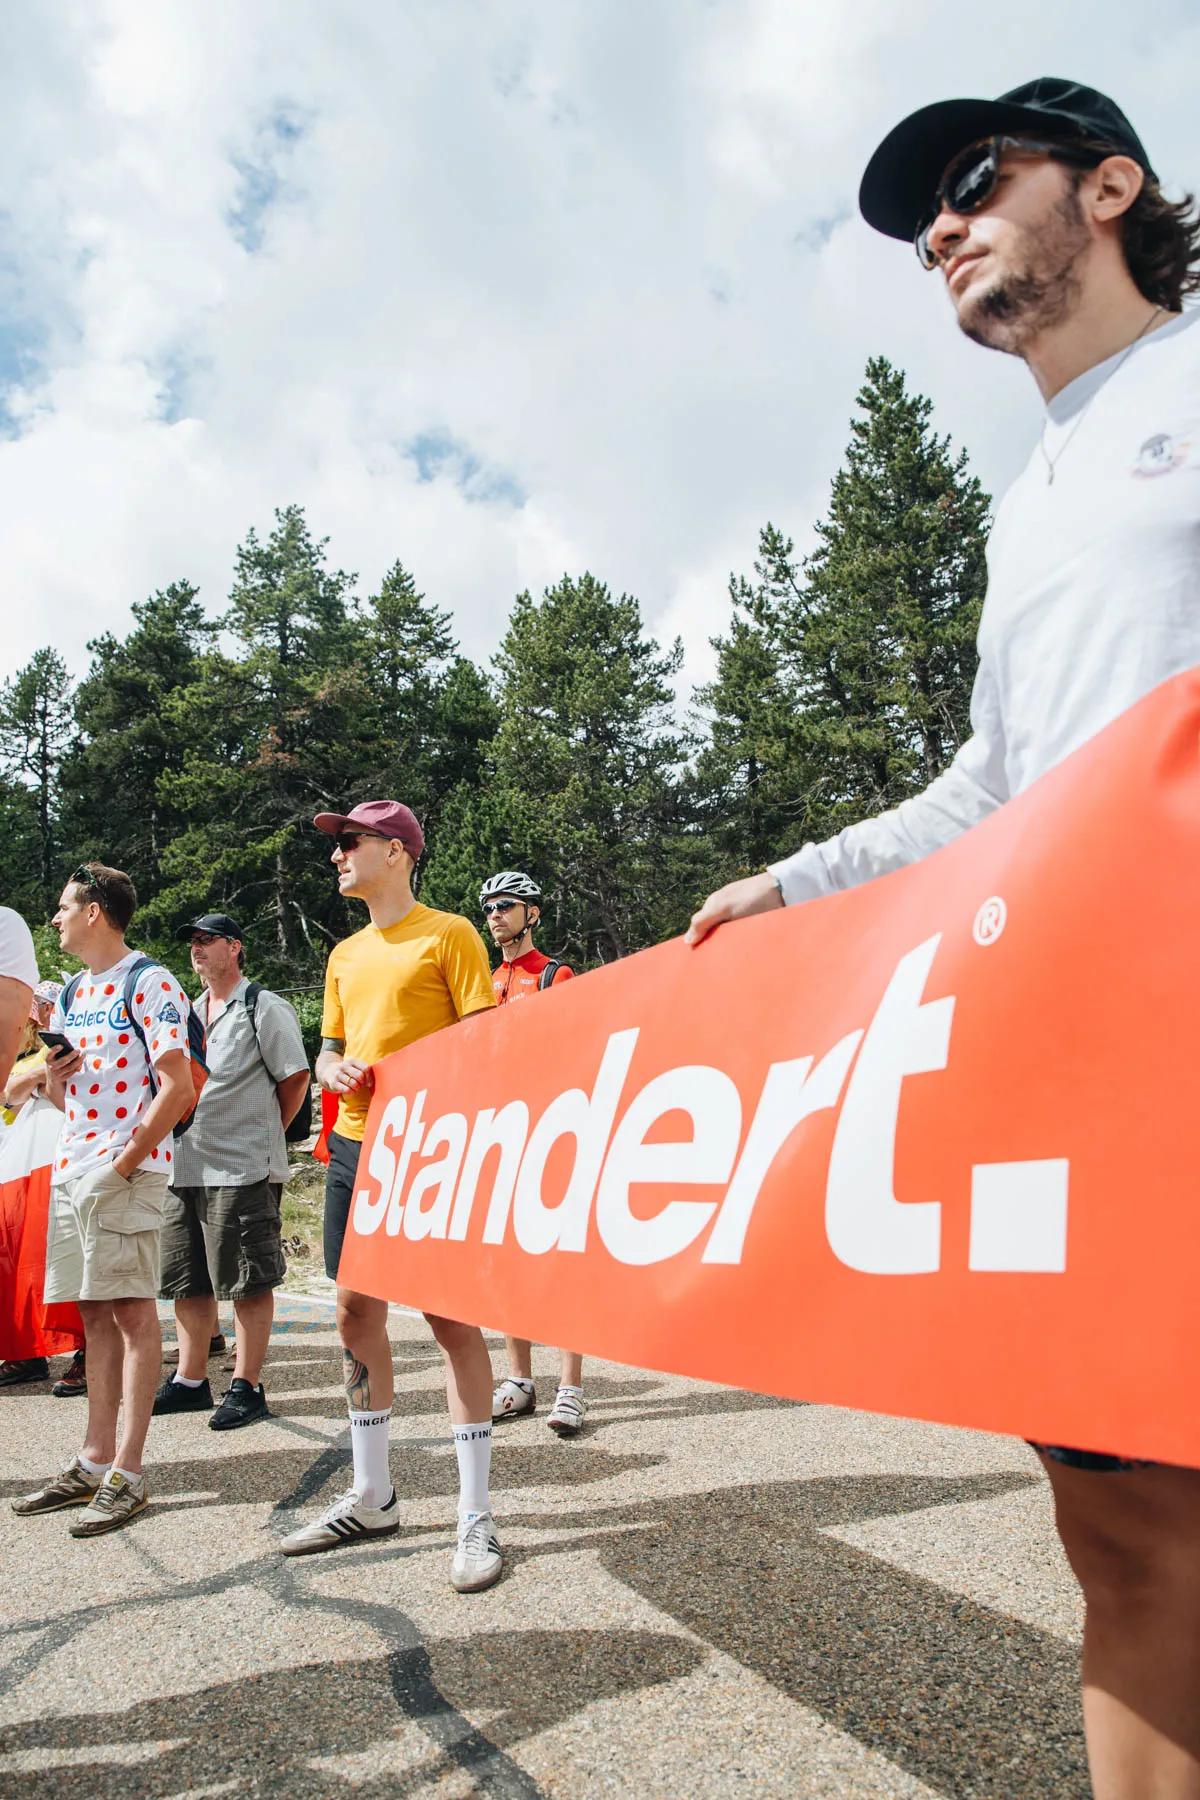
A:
x,y
23,1066
385,989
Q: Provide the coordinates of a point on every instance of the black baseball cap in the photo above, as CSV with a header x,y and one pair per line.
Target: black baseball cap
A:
x,y
901,178
215,924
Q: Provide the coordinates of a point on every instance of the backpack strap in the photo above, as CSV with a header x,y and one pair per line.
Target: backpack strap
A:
x,y
70,990
546,978
250,997
135,968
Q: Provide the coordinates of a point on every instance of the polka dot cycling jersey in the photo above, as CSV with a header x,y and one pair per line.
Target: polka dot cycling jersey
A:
x,y
108,1097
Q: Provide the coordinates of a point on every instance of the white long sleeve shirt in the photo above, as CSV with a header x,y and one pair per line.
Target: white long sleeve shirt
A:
x,y
1093,599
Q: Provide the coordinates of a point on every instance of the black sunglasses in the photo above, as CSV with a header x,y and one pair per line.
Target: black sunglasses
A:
x,y
84,877
346,841
499,906
969,180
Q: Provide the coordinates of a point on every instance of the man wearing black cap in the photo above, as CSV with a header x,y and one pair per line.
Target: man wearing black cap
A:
x,y
221,1236
1056,244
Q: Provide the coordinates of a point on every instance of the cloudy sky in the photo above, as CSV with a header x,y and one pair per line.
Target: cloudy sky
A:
x,y
501,287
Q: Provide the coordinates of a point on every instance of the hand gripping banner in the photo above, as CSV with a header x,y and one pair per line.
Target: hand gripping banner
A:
x,y
928,1147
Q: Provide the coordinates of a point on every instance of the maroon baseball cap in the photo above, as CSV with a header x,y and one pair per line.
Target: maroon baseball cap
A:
x,y
382,818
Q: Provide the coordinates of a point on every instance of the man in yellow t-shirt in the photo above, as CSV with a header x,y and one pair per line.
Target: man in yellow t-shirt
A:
x,y
410,971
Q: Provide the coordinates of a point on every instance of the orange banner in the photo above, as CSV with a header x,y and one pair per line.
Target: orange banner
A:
x,y
929,1147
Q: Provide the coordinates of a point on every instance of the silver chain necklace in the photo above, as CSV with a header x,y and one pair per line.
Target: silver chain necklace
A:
x,y
1052,462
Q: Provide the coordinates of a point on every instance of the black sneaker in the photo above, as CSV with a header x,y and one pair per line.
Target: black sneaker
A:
x,y
74,1379
173,1397
29,1368
242,1405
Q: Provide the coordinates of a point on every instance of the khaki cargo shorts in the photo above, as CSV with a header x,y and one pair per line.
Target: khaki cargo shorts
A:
x,y
102,1238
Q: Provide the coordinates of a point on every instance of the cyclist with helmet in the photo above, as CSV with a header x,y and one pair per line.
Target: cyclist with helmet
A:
x,y
511,905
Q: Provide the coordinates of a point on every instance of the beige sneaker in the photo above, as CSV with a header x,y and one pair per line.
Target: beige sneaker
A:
x,y
116,1501
72,1487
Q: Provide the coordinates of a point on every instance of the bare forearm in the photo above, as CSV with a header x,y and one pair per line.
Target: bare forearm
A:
x,y
171,1102
290,1093
23,1086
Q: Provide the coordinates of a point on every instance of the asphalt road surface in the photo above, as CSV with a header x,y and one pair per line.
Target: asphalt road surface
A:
x,y
709,1593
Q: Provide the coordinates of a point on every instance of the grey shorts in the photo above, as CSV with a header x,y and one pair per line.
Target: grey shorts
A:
x,y
102,1236
221,1241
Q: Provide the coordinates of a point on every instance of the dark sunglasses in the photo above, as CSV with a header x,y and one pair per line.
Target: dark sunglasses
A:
x,y
206,937
346,841
498,906
84,877
969,180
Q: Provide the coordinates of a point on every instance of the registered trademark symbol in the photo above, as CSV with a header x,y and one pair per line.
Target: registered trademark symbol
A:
x,y
990,920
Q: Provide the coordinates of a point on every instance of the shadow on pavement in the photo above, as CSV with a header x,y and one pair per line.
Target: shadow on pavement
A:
x,y
261,1735
281,1476
967,1699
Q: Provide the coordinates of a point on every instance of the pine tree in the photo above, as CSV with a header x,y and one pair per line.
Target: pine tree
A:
x,y
267,731
129,737
35,729
427,711
583,787
844,684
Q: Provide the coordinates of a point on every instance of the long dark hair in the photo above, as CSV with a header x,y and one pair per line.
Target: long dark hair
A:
x,y
1161,239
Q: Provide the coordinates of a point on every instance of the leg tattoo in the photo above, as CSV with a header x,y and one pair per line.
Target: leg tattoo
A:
x,y
358,1382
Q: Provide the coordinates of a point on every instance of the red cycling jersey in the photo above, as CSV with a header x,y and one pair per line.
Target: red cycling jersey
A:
x,y
513,980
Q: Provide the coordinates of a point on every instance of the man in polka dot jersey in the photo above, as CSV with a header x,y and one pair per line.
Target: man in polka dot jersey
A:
x,y
110,1175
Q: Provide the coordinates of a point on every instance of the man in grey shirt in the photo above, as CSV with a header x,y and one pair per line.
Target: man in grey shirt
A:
x,y
221,1229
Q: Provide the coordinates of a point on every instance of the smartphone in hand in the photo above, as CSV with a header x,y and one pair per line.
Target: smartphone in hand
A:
x,y
57,1043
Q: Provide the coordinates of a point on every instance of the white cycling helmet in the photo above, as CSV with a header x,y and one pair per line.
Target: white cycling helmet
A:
x,y
510,881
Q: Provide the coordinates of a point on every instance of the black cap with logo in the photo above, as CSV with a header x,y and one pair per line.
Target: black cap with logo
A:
x,y
212,925
901,178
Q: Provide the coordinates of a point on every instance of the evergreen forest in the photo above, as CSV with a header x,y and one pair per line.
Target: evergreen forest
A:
x,y
195,750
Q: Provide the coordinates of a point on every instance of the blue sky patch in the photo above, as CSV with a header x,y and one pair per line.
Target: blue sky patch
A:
x,y
439,454
262,182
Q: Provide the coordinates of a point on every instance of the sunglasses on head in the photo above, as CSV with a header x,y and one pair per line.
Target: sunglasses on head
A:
x,y
969,180
499,906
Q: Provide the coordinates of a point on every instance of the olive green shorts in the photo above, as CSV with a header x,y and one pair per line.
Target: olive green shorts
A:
x,y
223,1241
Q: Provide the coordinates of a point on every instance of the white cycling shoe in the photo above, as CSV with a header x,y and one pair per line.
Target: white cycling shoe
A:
x,y
478,1561
511,1400
568,1413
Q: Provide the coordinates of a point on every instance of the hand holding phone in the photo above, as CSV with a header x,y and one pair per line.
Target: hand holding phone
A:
x,y
57,1043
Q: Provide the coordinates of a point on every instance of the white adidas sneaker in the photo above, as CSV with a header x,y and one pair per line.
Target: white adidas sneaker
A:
x,y
478,1559
347,1521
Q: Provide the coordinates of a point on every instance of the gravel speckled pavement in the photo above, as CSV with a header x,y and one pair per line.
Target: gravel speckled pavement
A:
x,y
707,1594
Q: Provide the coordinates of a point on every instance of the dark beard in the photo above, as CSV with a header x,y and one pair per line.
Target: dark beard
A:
x,y
1039,295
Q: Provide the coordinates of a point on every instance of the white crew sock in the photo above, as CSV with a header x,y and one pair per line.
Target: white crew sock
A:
x,y
187,1381
369,1447
93,1468
473,1447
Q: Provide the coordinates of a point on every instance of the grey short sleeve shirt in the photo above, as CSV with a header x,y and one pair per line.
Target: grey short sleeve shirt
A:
x,y
236,1136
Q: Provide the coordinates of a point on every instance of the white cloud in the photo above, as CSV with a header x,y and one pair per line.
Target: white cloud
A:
x,y
502,291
